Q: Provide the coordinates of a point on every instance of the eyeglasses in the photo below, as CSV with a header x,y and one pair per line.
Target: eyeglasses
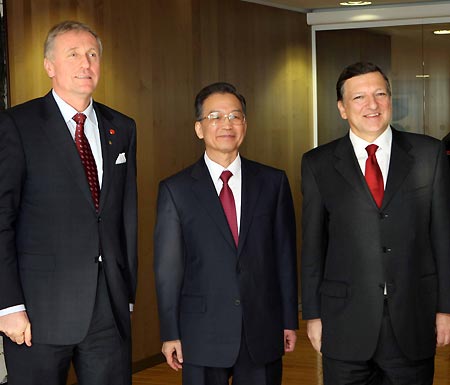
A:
x,y
236,118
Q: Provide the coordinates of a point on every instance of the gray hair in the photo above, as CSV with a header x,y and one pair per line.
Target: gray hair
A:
x,y
67,26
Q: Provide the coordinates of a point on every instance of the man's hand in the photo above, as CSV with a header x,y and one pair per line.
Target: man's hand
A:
x,y
290,338
174,355
442,329
17,327
314,331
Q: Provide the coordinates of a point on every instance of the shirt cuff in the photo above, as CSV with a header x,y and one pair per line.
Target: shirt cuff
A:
x,y
131,307
12,309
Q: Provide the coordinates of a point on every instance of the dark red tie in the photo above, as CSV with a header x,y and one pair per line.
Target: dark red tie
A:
x,y
229,207
84,149
373,175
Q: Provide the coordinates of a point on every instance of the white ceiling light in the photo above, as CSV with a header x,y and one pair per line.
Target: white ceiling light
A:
x,y
354,3
442,32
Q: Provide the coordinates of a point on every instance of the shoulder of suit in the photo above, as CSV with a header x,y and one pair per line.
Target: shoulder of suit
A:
x,y
415,139
184,174
30,105
21,114
446,140
110,113
259,167
326,149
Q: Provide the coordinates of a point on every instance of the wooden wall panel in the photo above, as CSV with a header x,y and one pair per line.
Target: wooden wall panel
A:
x,y
157,55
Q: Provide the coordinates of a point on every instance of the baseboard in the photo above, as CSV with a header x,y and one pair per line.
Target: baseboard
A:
x,y
148,362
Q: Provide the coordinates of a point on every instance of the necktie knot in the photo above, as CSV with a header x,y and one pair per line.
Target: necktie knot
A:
x,y
371,149
79,118
225,176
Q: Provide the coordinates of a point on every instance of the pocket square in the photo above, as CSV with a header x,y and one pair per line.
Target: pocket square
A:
x,y
121,158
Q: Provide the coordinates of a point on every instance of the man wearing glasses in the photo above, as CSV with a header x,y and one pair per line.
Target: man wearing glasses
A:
x,y
225,256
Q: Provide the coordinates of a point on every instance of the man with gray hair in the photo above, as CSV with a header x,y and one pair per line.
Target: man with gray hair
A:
x,y
68,224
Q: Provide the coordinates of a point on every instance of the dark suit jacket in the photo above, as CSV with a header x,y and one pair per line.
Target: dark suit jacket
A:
x,y
207,288
351,247
50,233
446,141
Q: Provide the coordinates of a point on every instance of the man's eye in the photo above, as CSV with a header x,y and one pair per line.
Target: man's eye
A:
x,y
213,116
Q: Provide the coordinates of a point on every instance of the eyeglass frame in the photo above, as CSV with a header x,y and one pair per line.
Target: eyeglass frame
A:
x,y
221,116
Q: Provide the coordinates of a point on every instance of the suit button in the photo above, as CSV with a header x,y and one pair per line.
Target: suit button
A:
x,y
387,249
99,219
384,215
237,302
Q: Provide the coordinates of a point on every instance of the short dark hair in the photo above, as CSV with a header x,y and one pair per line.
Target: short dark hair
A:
x,y
356,69
216,88
67,26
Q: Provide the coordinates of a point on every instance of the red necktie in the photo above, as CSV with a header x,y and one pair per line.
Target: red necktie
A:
x,y
373,175
84,149
229,207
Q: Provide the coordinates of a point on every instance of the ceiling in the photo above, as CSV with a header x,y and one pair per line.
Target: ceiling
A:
x,y
309,5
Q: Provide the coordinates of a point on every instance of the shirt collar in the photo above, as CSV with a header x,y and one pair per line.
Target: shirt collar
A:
x,y
215,169
68,112
384,141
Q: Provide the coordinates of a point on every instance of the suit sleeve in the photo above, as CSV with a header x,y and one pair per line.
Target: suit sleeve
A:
x,y
168,263
440,229
130,214
12,172
314,242
286,248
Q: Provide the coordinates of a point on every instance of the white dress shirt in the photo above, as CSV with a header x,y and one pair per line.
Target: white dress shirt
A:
x,y
383,154
235,182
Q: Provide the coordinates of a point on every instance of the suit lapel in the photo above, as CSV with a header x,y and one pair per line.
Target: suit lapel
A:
x,y
108,150
204,190
399,166
55,128
251,189
347,165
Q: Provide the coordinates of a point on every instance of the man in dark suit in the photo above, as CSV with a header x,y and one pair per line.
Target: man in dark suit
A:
x,y
376,244
225,256
68,225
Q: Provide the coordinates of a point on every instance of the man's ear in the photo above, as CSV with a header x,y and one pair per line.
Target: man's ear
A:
x,y
49,67
341,109
199,130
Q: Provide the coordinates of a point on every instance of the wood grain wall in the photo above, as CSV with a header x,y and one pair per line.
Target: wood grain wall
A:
x,y
157,56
